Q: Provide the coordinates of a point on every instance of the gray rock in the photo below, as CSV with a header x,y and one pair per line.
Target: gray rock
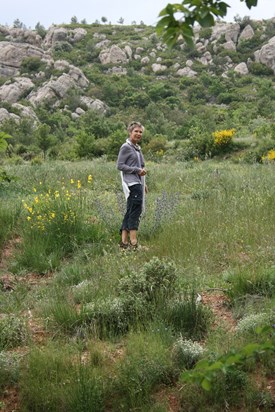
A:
x,y
14,91
186,72
5,115
94,104
79,111
113,55
12,54
60,34
241,69
231,31
145,60
246,34
266,55
26,111
128,51
229,45
103,43
24,36
158,68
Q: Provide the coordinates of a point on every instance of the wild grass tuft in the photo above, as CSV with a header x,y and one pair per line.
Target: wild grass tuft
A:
x,y
13,332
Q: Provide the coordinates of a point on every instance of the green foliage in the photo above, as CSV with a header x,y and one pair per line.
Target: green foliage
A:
x,y
13,332
191,11
252,283
206,371
146,365
188,317
55,224
54,379
3,144
186,353
32,64
86,144
10,367
259,69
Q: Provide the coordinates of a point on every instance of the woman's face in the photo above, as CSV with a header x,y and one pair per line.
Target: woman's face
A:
x,y
136,135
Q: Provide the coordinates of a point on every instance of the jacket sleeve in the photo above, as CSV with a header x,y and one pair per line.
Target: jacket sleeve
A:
x,y
123,155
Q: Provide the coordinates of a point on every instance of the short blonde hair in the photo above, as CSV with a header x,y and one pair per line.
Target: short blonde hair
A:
x,y
132,125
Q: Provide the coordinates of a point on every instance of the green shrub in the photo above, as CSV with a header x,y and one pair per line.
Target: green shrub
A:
x,y
145,365
186,353
54,379
259,283
13,332
32,64
249,324
9,367
188,317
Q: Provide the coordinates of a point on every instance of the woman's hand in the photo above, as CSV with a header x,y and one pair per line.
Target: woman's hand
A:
x,y
142,172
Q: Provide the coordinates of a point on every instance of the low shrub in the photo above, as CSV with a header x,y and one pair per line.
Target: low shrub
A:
x,y
188,317
13,332
186,353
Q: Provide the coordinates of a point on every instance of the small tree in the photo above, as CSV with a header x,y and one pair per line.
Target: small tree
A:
x,y
17,24
74,20
3,143
40,30
104,19
44,139
121,20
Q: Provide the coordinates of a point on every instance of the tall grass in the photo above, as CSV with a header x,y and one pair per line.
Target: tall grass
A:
x,y
121,326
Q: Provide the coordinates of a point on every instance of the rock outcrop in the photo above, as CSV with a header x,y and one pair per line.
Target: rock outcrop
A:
x,y
266,55
12,92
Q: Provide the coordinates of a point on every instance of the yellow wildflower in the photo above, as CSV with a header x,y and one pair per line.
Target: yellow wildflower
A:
x,y
90,179
29,218
72,181
78,184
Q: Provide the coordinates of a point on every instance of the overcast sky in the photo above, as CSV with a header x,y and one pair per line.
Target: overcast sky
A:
x,y
48,12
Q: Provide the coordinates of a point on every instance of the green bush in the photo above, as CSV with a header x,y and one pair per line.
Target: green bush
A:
x,y
10,368
188,317
186,353
13,332
258,283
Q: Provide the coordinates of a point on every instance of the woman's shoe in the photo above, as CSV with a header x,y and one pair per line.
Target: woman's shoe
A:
x,y
123,245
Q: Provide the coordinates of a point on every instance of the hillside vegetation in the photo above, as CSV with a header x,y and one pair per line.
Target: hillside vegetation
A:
x,y
185,322
76,87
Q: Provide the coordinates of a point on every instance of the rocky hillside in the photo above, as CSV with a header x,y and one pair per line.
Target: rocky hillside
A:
x,y
119,72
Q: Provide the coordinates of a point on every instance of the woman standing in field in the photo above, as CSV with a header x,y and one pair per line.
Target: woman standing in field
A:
x,y
130,162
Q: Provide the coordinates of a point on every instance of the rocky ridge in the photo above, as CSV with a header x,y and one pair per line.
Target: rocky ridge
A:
x,y
17,45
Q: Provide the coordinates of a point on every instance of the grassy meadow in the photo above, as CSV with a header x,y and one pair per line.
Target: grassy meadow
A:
x,y
85,326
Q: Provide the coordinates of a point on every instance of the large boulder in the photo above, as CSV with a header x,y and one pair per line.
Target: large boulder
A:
x,y
60,34
230,31
159,68
58,88
24,36
5,115
241,69
186,72
113,55
12,92
246,34
266,55
94,104
12,55
26,111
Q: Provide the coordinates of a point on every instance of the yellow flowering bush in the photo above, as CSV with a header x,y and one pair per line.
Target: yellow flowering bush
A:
x,y
58,213
270,156
223,138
